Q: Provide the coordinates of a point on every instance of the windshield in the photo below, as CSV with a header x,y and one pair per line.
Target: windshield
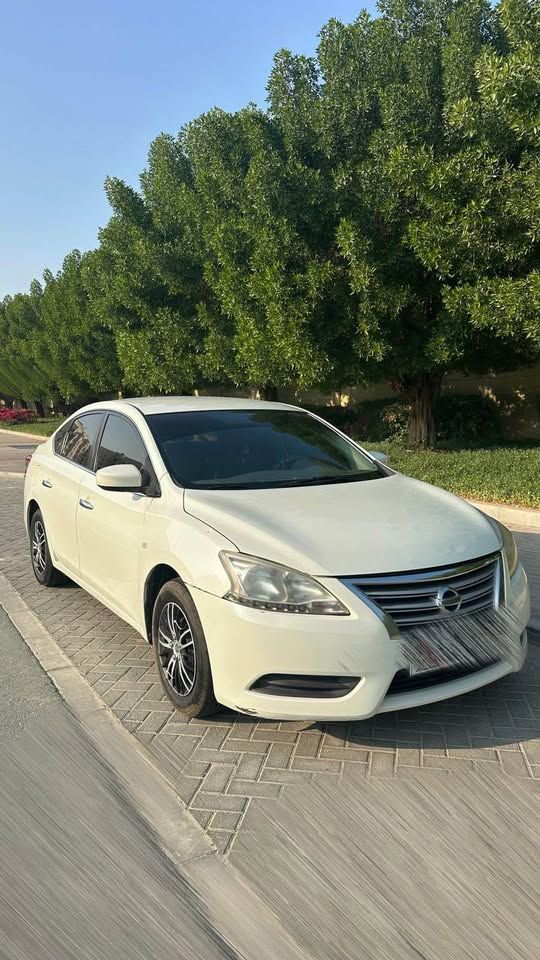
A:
x,y
248,449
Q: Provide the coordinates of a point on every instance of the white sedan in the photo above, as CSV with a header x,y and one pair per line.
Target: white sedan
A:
x,y
276,567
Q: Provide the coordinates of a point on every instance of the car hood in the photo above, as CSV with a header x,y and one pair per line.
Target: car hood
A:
x,y
374,526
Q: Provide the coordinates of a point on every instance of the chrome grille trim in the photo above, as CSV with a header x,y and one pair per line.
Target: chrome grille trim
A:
x,y
408,599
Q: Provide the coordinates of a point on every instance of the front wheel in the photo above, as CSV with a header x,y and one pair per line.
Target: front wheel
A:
x,y
42,565
181,653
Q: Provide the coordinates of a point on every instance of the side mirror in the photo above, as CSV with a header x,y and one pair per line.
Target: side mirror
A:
x,y
378,455
121,476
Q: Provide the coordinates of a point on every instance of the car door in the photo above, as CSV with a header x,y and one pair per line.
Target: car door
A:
x,y
110,523
70,461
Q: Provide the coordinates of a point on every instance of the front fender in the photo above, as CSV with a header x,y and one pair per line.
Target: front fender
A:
x,y
188,545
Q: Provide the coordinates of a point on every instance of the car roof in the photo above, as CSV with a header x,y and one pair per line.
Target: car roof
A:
x,y
149,405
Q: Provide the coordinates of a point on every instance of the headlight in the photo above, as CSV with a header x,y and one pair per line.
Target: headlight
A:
x,y
510,549
271,586
509,545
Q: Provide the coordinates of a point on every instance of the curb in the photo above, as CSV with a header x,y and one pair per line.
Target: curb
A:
x,y
19,433
508,514
248,924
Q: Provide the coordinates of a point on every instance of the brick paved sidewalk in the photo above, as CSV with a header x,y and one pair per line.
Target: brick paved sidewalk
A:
x,y
223,766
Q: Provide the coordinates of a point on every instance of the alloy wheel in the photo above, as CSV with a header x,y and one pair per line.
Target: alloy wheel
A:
x,y
176,649
39,548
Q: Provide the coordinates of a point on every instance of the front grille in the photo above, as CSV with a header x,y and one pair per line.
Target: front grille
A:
x,y
414,598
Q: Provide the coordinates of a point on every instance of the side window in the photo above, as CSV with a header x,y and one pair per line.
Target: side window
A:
x,y
60,436
80,442
121,443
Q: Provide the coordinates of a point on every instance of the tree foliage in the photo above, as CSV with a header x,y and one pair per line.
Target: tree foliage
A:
x,y
484,235
145,279
23,371
52,343
80,348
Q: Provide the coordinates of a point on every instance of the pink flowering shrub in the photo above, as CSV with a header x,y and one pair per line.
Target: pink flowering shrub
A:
x,y
8,416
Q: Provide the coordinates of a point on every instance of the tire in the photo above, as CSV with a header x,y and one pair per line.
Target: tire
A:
x,y
181,653
44,570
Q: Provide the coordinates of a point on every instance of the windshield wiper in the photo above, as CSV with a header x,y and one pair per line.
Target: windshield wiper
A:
x,y
294,482
339,478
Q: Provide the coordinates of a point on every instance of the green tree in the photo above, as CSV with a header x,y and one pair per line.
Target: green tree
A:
x,y
383,115
52,345
483,236
260,215
80,350
24,372
145,281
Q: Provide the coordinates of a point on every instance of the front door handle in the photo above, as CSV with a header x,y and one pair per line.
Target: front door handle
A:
x,y
87,504
46,483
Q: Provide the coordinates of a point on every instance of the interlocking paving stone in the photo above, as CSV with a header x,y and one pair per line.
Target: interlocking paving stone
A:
x,y
253,788
308,744
218,776
285,777
279,755
343,753
221,766
225,821
381,764
234,803
250,767
316,765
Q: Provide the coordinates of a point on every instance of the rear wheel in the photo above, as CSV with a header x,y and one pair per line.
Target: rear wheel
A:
x,y
181,653
44,570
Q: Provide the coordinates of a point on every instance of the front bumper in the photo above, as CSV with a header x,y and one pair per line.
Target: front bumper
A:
x,y
245,644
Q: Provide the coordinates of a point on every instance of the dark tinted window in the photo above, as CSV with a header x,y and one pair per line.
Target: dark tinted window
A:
x,y
80,441
121,443
256,448
59,437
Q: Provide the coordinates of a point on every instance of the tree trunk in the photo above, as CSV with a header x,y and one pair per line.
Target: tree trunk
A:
x,y
40,409
423,391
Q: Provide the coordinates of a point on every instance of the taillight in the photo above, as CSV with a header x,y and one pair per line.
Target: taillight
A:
x,y
27,462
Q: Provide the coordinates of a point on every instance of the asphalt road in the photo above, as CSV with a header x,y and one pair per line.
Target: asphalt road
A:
x,y
13,450
80,875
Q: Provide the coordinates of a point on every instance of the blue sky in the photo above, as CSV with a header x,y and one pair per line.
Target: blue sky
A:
x,y
85,87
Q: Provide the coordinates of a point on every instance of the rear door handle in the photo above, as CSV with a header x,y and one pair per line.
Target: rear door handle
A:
x,y
46,483
87,504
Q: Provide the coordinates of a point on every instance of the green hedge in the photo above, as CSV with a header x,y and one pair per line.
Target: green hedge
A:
x,y
497,474
42,428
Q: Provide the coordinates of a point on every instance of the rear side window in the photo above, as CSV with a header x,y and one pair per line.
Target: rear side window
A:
x,y
80,441
122,443
59,438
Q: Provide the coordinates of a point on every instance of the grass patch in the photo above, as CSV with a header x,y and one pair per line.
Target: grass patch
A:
x,y
509,474
41,428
